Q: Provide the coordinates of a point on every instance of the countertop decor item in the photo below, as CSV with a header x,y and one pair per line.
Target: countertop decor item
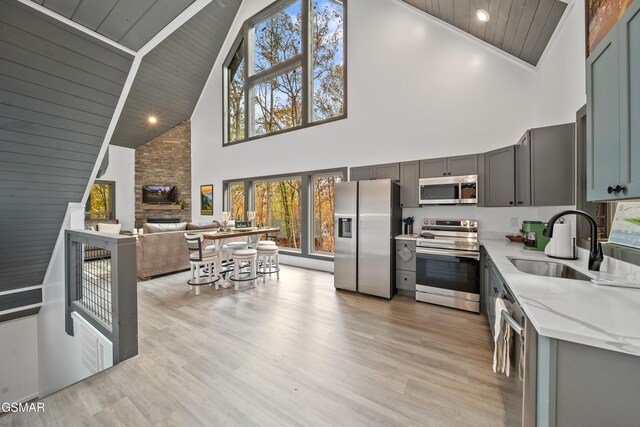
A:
x,y
517,239
625,229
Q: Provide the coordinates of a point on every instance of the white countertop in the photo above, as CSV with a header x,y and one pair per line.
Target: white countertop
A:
x,y
572,310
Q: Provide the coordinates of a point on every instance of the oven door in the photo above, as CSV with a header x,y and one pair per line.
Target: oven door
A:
x,y
448,277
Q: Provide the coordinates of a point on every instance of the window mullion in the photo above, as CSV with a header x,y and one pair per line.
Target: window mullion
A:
x,y
306,96
248,87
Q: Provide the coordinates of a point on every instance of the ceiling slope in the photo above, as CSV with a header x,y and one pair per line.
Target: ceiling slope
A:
x,y
132,23
58,91
522,28
172,76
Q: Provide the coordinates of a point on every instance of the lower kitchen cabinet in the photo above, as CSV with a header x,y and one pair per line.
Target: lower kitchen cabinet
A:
x,y
406,269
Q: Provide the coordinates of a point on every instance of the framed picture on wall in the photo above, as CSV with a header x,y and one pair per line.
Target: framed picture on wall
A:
x,y
206,199
601,16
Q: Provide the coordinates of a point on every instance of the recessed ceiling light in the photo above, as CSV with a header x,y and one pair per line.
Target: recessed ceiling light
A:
x,y
482,15
152,120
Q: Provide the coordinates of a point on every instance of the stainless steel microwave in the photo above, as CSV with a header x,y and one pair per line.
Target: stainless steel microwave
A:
x,y
449,190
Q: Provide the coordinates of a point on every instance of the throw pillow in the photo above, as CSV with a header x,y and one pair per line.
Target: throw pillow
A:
x,y
109,228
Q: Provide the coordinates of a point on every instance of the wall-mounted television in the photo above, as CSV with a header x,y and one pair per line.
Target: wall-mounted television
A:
x,y
159,194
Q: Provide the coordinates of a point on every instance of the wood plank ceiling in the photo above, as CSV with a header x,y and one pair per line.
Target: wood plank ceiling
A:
x,y
58,91
172,76
521,28
130,23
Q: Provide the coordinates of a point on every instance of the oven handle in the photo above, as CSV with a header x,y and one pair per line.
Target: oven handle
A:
x,y
448,253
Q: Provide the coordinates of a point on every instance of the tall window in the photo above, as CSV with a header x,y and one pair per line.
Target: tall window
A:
x,y
277,203
286,70
236,200
323,210
100,204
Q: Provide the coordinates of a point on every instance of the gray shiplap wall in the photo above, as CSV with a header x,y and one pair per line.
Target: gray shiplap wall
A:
x,y
172,76
58,92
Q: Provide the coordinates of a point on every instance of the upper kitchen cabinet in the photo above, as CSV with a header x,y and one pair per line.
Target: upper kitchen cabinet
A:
x,y
459,165
544,162
409,186
613,101
497,183
387,171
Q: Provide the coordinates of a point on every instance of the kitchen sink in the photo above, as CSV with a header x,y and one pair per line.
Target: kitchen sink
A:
x,y
548,269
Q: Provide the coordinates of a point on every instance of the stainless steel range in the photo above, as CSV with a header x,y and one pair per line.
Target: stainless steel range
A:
x,y
447,264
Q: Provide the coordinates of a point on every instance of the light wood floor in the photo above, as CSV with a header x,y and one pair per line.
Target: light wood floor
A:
x,y
294,352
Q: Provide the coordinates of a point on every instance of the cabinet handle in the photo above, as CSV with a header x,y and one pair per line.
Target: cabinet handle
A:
x,y
617,189
449,173
405,279
444,173
520,203
511,202
495,289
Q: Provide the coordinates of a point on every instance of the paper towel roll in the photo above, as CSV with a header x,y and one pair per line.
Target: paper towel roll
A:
x,y
561,245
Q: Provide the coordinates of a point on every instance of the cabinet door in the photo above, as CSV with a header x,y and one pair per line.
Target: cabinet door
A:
x,y
603,118
361,173
499,177
523,170
409,189
390,171
552,165
433,168
462,165
630,106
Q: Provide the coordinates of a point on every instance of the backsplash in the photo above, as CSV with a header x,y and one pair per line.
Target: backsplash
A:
x,y
504,220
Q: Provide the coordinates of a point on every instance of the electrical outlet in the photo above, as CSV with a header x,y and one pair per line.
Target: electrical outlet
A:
x,y
514,221
4,390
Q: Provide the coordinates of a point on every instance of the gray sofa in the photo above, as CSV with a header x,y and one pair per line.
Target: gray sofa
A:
x,y
162,248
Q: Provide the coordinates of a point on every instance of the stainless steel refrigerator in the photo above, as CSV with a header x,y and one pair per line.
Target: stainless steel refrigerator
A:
x,y
367,219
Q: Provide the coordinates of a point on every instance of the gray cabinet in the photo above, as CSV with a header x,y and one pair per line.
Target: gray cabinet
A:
x,y
387,171
499,177
544,162
406,270
362,173
459,165
613,106
462,165
409,187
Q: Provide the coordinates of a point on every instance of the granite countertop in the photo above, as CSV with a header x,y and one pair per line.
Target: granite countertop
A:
x,y
571,310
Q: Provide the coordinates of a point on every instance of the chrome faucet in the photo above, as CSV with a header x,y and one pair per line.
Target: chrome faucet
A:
x,y
595,253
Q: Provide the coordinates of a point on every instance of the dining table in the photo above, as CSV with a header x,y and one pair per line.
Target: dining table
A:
x,y
220,238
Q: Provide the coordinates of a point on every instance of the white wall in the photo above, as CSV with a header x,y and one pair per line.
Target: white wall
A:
x,y
417,89
561,81
19,360
122,163
58,353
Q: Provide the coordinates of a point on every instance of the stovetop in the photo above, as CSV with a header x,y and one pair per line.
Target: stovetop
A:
x,y
449,234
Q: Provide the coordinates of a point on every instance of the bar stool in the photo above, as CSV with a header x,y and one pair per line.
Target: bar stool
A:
x,y
207,260
268,256
227,255
249,256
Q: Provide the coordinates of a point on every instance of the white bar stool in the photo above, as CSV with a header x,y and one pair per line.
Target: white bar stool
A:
x,y
227,254
205,259
248,256
268,256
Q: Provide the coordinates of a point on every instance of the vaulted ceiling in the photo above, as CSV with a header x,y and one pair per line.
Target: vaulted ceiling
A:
x,y
171,77
521,28
132,23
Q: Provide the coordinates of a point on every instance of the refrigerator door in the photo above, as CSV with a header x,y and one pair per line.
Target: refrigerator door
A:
x,y
346,236
375,241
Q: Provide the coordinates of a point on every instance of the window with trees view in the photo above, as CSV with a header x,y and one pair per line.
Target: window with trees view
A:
x,y
301,205
277,204
236,195
286,69
323,209
100,204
